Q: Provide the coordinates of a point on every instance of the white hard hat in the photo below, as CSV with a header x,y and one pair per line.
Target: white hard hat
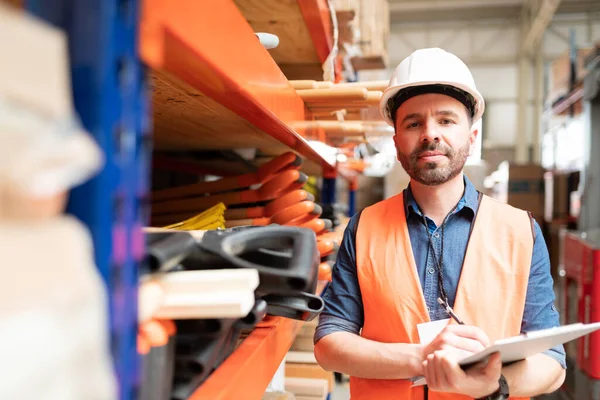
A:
x,y
435,68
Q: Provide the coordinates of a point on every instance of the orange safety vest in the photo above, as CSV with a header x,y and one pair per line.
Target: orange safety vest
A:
x,y
490,294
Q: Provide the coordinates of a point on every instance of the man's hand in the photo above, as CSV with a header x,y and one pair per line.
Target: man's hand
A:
x,y
460,341
443,374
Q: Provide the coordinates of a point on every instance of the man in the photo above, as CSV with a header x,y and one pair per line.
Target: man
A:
x,y
438,246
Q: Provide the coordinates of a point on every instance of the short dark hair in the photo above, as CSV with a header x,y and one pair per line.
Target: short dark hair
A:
x,y
407,93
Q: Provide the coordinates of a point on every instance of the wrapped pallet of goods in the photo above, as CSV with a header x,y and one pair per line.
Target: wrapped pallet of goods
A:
x,y
372,21
563,73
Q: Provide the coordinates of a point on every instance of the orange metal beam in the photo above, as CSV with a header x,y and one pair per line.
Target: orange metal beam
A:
x,y
318,20
209,45
246,373
568,101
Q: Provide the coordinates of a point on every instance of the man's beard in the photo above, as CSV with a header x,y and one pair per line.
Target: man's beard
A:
x,y
432,174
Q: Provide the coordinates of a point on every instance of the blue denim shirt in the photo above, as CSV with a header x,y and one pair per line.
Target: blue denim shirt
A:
x,y
343,302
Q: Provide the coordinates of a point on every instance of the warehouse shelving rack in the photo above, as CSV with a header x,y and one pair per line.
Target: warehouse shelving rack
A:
x,y
110,99
205,64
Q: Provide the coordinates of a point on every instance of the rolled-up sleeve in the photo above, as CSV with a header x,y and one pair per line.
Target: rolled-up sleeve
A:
x,y
343,310
540,311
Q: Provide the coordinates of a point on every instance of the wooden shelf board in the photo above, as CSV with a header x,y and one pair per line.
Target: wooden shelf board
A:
x,y
186,119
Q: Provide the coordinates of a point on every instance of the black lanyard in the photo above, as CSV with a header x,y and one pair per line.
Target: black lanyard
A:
x,y
438,261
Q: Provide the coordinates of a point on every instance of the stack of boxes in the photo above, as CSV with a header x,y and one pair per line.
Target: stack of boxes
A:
x,y
526,188
565,74
370,28
304,377
560,213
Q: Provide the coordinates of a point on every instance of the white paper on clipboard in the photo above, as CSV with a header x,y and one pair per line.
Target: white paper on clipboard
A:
x,y
520,347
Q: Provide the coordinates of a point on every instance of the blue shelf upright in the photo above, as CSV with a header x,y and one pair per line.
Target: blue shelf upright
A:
x,y
351,202
109,93
328,191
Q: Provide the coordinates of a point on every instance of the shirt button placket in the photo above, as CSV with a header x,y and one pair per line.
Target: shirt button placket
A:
x,y
430,283
431,272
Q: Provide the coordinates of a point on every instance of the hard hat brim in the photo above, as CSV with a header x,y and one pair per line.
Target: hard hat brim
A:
x,y
393,90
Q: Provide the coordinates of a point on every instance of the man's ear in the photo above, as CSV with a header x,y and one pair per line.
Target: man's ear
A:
x,y
396,145
473,139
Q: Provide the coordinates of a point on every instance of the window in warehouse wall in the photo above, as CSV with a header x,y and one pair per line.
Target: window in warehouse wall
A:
x,y
548,146
570,145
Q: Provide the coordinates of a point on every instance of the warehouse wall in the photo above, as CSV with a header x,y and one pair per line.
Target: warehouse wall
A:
x,y
490,49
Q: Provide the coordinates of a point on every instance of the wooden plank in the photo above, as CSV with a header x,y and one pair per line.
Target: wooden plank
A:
x,y
222,304
303,84
284,19
333,95
207,281
369,85
374,25
185,118
312,387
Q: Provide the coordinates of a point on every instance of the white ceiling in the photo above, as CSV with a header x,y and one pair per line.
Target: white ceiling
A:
x,y
403,11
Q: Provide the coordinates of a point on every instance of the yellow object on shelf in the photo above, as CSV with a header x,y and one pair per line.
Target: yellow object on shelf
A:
x,y
311,186
211,219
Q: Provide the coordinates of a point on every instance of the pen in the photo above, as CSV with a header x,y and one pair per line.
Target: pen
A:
x,y
450,311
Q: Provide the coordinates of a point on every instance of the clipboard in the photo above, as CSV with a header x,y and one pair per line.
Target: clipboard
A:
x,y
520,347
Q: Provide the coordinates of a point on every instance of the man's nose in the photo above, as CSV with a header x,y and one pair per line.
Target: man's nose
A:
x,y
430,133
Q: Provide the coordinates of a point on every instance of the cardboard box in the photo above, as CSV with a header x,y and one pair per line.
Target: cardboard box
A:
x,y
310,388
372,23
526,188
560,198
309,371
278,396
303,343
560,74
304,338
562,184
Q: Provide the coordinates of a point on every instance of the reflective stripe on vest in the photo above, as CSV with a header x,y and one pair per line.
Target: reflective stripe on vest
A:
x,y
491,291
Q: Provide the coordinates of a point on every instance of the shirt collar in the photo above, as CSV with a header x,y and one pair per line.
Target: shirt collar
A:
x,y
469,200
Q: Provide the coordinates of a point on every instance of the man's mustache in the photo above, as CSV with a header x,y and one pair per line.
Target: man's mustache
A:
x,y
431,147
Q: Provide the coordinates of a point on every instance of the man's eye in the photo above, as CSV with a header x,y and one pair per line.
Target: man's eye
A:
x,y
413,125
446,122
